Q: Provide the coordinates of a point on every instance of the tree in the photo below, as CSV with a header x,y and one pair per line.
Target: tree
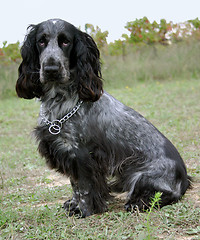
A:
x,y
141,30
11,52
98,36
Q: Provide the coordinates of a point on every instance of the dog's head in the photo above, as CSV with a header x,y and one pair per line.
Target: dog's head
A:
x,y
55,52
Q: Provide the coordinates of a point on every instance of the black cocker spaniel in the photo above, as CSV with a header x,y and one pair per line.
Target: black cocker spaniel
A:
x,y
88,135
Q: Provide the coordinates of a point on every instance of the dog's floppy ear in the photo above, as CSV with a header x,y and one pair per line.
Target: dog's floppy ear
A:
x,y
86,56
28,84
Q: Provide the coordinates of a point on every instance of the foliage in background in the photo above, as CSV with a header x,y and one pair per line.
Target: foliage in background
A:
x,y
141,30
145,63
10,52
98,36
9,61
143,55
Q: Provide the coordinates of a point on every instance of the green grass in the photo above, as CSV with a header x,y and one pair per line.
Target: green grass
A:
x,y
8,77
31,196
156,62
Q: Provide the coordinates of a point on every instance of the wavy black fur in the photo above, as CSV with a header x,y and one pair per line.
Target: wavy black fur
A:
x,y
104,138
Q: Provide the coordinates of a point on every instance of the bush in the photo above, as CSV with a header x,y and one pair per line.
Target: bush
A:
x,y
156,62
10,53
8,77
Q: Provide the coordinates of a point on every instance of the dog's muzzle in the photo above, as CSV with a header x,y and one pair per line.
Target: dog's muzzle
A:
x,y
52,72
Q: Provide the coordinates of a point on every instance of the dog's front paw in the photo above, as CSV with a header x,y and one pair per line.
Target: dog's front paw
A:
x,y
70,205
73,208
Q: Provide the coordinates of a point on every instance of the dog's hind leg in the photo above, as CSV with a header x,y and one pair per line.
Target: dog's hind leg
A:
x,y
144,190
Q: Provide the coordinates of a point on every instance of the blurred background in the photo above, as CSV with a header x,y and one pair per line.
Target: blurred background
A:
x,y
138,40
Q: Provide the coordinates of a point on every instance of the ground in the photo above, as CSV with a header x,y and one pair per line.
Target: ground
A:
x,y
31,195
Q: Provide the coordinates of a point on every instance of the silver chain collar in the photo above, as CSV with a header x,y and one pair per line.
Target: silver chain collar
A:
x,y
56,125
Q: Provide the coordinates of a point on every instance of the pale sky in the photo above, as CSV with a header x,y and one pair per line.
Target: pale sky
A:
x,y
111,15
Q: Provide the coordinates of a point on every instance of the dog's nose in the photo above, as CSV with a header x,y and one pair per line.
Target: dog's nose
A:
x,y
52,69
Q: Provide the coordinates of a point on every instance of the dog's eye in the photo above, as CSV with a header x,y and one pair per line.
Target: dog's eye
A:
x,y
63,41
42,41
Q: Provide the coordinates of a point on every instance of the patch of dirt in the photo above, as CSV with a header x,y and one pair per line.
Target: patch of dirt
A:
x,y
54,179
194,193
58,179
177,237
117,204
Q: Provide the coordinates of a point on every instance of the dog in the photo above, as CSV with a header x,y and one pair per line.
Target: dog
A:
x,y
86,134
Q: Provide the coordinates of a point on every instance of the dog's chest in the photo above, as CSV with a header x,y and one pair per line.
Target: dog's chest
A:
x,y
58,150
65,141
65,137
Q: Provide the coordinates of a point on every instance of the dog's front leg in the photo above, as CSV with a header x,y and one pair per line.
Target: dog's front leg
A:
x,y
71,205
86,205
89,185
81,204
